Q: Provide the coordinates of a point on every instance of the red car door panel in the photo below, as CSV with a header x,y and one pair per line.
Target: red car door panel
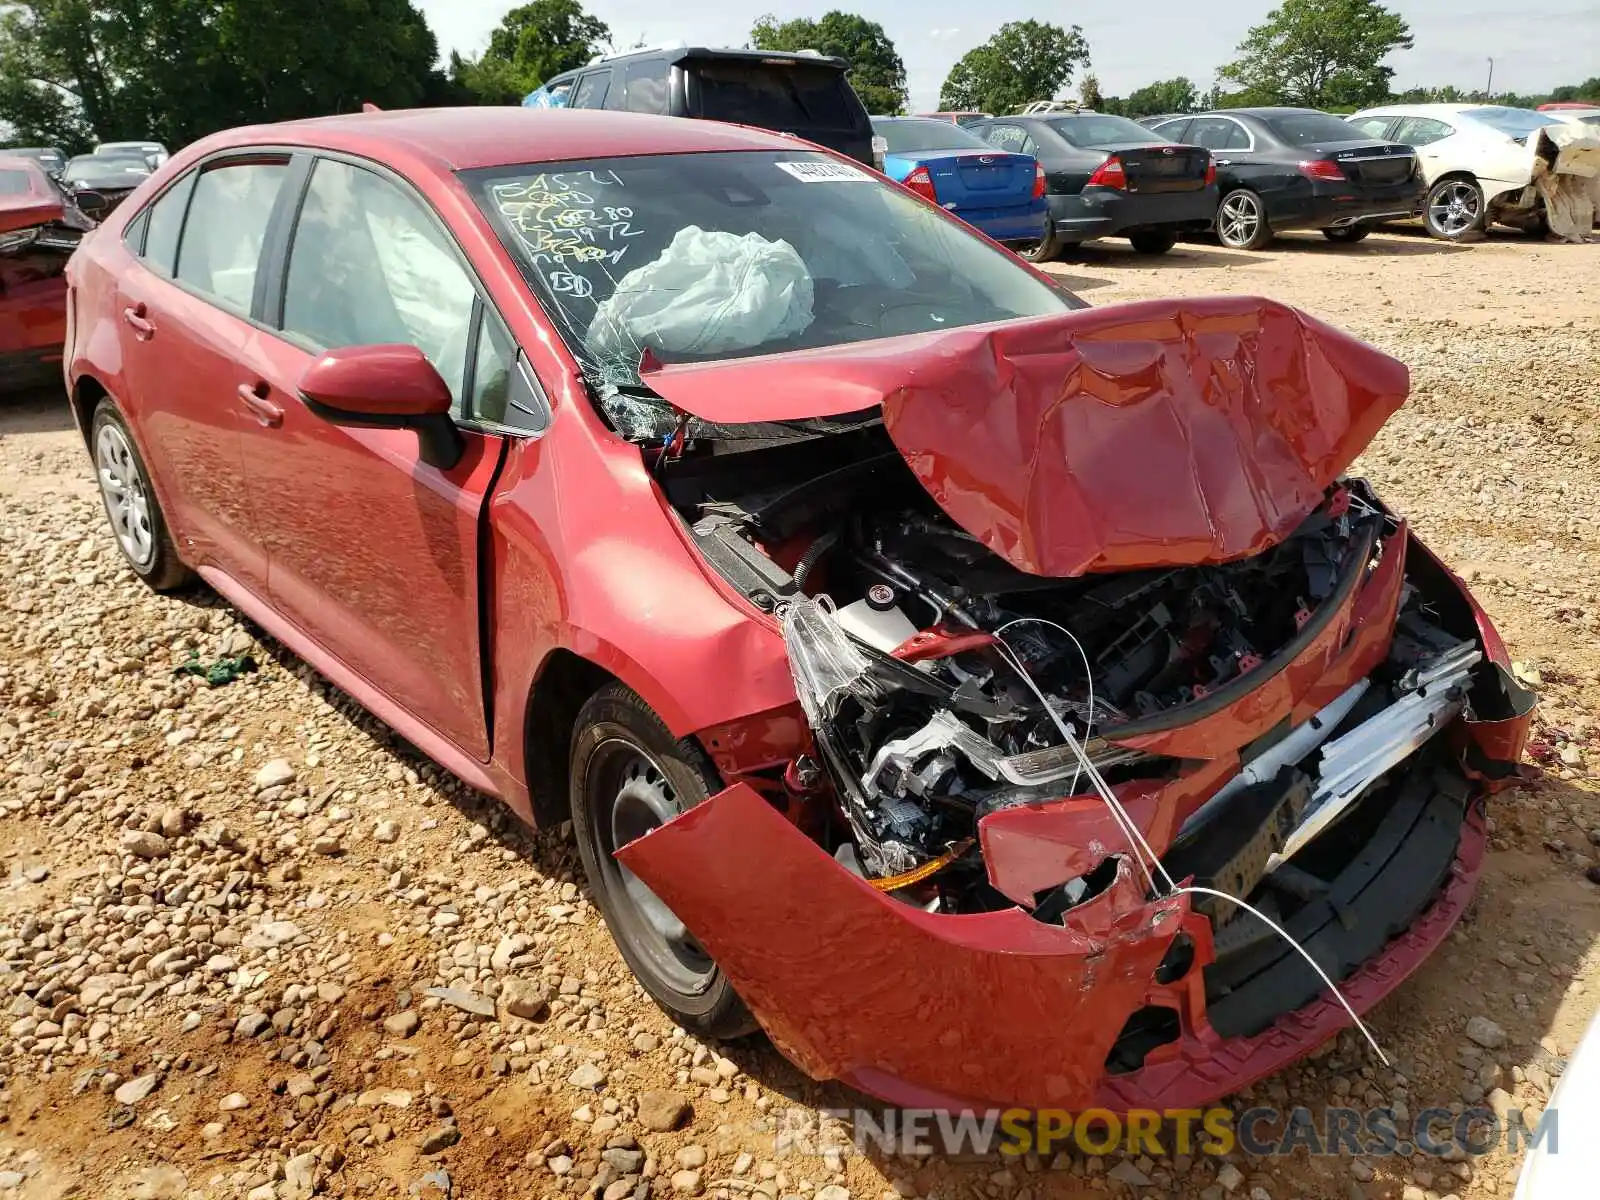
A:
x,y
373,552
180,355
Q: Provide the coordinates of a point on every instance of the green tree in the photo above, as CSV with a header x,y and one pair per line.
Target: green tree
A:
x,y
72,71
1164,96
1318,53
1023,62
876,72
531,44
1089,92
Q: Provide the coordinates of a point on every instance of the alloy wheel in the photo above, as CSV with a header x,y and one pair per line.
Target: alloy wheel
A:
x,y
1239,219
126,495
1454,207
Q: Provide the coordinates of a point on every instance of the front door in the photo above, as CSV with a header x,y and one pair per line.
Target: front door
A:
x,y
183,330
373,552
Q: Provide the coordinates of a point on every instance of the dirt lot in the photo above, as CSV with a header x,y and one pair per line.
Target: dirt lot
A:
x,y
220,908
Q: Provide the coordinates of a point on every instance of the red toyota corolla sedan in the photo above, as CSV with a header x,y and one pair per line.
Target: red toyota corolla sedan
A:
x,y
896,631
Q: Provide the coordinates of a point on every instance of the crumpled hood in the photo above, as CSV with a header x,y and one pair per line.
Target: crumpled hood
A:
x,y
1160,433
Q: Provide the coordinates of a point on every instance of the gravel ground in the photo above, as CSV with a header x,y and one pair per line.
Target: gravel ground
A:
x,y
253,946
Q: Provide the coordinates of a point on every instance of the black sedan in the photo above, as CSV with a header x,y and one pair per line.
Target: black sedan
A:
x,y
111,176
1107,177
1298,168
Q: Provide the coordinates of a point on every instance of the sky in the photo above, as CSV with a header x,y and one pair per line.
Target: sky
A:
x,y
1538,46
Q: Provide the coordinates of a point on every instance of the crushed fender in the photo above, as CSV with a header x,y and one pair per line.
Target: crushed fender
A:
x,y
1566,171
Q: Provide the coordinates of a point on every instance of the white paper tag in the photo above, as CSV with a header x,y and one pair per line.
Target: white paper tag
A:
x,y
824,172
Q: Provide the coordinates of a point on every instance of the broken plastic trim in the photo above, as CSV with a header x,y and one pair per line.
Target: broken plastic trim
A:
x,y
1353,761
944,731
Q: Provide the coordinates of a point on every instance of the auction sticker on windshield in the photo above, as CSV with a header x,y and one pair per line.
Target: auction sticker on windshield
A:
x,y
823,172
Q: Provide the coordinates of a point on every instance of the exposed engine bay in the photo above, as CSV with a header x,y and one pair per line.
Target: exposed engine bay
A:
x,y
943,685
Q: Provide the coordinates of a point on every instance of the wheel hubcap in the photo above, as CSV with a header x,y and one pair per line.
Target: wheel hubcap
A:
x,y
1454,207
1238,220
127,499
642,799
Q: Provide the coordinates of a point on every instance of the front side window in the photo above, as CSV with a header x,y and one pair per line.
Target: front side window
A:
x,y
227,224
591,90
1177,131
369,266
708,256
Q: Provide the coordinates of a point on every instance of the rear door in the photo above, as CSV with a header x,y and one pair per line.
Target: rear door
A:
x,y
186,324
374,552
1244,163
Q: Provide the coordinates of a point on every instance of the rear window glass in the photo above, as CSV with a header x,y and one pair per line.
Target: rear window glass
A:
x,y
912,137
1099,129
1513,122
773,95
1304,129
15,183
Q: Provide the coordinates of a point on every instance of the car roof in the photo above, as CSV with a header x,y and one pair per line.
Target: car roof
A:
x,y
465,139
1437,109
678,54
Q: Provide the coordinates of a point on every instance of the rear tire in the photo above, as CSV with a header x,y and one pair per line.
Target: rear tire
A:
x,y
1046,249
1455,208
629,775
1347,234
1153,241
1242,221
137,522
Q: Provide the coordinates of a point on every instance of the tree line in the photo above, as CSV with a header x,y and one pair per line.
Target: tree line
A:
x,y
73,72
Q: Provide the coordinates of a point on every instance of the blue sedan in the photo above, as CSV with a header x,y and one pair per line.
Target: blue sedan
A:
x,y
998,193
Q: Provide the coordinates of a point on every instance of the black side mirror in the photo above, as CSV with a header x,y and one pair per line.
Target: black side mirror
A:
x,y
91,203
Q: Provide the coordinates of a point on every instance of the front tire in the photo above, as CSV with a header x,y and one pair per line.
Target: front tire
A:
x,y
1346,234
1455,208
1242,221
630,775
137,521
1153,241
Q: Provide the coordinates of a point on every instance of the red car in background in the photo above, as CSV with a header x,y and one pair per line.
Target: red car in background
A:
x,y
39,228
846,581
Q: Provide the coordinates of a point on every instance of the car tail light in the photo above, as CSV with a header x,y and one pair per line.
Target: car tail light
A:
x,y
1211,170
920,182
1109,174
1324,169
1038,180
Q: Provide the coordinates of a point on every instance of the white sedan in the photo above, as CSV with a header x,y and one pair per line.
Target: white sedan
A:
x,y
1477,159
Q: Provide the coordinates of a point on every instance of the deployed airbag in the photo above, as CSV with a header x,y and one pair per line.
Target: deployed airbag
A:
x,y
707,293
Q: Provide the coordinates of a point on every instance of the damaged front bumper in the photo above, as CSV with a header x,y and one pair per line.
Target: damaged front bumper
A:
x,y
1117,999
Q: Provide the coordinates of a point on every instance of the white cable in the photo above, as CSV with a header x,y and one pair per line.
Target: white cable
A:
x,y
1284,934
1136,839
1088,675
